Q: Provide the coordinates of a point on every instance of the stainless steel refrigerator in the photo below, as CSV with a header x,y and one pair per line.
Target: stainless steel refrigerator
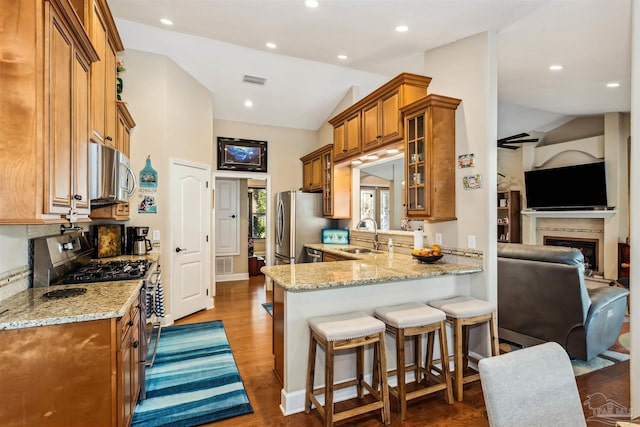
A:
x,y
298,221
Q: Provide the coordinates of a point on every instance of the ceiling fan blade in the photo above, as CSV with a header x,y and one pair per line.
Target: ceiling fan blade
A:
x,y
508,138
518,141
510,147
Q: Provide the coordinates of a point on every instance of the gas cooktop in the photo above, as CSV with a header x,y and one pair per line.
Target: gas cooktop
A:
x,y
108,271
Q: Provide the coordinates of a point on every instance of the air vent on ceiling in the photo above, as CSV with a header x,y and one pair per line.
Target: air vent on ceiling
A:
x,y
253,79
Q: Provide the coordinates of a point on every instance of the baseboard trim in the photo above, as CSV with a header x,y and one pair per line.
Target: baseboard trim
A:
x,y
232,277
293,403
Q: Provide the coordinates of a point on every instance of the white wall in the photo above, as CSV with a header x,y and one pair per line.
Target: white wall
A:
x,y
173,114
285,146
466,69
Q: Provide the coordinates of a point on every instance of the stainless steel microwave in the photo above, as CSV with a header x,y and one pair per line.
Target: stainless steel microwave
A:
x,y
110,177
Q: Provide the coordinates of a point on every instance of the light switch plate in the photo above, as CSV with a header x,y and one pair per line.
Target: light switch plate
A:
x,y
156,235
439,239
471,241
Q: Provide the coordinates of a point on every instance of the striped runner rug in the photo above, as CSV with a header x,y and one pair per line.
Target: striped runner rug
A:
x,y
194,379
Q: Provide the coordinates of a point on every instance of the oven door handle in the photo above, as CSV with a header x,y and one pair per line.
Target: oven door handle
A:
x,y
154,274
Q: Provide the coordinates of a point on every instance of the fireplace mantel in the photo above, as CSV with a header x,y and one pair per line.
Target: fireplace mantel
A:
x,y
572,219
570,214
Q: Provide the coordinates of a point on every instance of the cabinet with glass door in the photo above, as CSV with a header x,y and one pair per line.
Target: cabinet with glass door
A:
x,y
430,158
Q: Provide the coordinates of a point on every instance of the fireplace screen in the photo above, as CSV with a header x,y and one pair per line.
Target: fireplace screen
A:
x,y
588,247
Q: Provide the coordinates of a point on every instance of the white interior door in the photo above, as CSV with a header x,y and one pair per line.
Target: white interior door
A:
x,y
227,217
190,212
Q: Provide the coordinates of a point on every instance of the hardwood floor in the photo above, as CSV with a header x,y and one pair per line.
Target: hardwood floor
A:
x,y
248,327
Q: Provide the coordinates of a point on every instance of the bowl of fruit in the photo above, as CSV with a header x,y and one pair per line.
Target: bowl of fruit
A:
x,y
428,255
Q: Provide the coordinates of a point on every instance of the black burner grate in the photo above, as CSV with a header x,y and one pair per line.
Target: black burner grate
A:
x,y
108,271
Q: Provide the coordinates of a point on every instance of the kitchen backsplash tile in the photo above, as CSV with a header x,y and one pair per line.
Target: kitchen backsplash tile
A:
x,y
14,281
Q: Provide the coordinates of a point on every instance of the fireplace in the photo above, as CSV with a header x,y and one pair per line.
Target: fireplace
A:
x,y
588,247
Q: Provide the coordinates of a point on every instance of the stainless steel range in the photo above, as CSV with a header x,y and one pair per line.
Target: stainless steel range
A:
x,y
66,259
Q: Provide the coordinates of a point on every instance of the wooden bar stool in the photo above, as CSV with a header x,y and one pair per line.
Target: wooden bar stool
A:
x,y
413,320
342,332
463,312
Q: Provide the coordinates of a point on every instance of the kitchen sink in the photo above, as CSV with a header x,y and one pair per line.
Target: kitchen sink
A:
x,y
360,251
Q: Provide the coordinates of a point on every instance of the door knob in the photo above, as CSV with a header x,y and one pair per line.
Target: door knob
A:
x,y
178,249
233,216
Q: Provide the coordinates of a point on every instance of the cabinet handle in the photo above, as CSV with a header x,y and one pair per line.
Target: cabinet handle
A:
x,y
130,323
135,344
108,138
77,197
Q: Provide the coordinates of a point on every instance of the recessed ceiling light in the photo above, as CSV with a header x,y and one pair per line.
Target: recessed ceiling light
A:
x,y
613,84
393,151
248,103
402,28
356,162
342,56
556,67
166,21
311,3
271,45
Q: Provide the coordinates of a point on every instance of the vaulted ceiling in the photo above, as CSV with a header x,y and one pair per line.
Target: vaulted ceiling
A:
x,y
219,41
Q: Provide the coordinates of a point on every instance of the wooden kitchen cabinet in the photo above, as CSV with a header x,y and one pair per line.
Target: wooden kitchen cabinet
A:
x,y
44,125
124,125
128,387
74,374
321,175
336,188
106,40
327,257
380,120
430,163
346,137
117,211
312,169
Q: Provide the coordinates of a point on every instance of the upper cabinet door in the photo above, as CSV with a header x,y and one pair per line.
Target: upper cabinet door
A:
x,y
391,120
105,38
81,79
98,75
59,59
346,142
371,126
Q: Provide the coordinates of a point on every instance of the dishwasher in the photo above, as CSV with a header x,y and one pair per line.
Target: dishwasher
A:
x,y
314,255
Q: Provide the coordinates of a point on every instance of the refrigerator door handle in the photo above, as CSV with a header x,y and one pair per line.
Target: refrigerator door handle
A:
x,y
280,223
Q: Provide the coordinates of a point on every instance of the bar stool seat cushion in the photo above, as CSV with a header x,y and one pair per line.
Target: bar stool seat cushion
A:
x,y
346,326
462,306
409,315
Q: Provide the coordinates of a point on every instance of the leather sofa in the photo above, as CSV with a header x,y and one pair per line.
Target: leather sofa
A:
x,y
542,296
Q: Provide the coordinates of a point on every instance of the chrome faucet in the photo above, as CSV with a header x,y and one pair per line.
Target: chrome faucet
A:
x,y
375,230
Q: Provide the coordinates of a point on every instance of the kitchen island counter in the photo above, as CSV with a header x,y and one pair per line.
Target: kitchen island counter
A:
x,y
102,300
360,270
362,282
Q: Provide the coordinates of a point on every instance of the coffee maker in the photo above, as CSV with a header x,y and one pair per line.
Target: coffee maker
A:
x,y
137,242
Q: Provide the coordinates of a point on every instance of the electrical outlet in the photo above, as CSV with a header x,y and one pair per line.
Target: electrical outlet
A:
x,y
156,235
471,241
439,239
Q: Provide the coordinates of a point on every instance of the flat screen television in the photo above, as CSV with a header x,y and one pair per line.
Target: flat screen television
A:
x,y
570,187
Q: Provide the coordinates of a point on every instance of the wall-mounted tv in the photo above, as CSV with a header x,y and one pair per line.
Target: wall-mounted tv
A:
x,y
570,187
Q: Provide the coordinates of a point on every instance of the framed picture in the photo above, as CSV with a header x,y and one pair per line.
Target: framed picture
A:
x,y
242,154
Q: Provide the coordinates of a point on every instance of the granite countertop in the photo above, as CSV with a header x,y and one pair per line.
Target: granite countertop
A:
x,y
102,300
359,270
